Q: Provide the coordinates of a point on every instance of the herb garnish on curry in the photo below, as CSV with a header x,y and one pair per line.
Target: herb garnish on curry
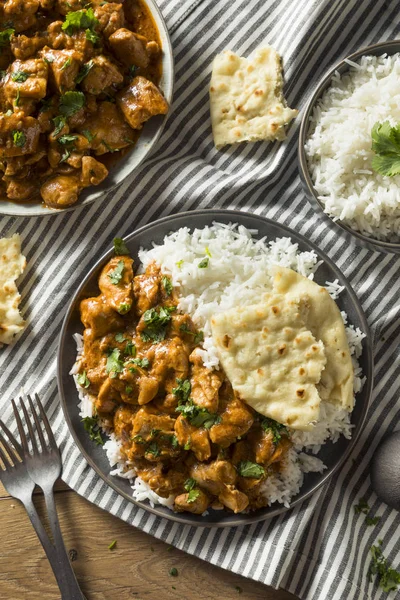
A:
x,y
182,427
77,82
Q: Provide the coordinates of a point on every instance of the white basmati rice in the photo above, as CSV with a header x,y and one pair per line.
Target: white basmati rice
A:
x,y
237,274
339,148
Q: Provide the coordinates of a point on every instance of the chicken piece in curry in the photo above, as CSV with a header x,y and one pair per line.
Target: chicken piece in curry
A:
x,y
78,80
183,429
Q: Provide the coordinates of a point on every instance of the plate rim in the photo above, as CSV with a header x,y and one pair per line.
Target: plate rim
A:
x,y
250,518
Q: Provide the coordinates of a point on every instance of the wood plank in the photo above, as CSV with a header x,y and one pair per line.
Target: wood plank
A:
x,y
138,568
59,487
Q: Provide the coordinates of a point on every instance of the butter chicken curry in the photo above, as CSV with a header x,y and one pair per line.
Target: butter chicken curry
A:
x,y
78,80
182,427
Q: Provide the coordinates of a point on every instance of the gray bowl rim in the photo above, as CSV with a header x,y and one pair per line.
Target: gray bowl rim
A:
x,y
168,93
342,66
228,216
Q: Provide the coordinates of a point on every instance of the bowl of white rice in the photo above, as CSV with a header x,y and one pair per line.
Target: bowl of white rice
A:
x,y
336,157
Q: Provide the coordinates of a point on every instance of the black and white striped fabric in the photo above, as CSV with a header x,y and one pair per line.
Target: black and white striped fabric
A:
x,y
320,549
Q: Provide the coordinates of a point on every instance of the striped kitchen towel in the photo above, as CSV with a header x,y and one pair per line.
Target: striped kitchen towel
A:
x,y
320,549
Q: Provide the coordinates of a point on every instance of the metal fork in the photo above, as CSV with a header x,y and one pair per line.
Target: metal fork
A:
x,y
41,467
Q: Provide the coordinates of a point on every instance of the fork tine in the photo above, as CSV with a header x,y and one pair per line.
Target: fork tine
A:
x,y
12,439
21,429
38,425
30,428
50,434
13,442
6,460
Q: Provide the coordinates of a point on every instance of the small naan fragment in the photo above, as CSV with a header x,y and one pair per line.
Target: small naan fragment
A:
x,y
322,317
271,359
12,264
246,99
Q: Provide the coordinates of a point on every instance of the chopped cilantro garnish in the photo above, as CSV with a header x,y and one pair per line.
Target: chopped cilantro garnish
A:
x,y
92,36
5,36
275,428
180,263
370,521
203,263
388,578
128,389
190,484
59,123
66,64
17,99
238,589
173,572
156,323
91,425
130,349
197,336
80,19
138,439
88,135
247,468
83,380
207,251
67,139
183,389
84,71
112,545
20,76
198,416
361,507
187,445
386,145
144,363
19,138
114,364
66,155
132,70
124,308
71,103
119,337
153,449
167,285
120,248
192,496
116,274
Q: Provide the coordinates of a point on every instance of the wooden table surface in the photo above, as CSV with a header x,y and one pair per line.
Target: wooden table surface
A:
x,y
137,568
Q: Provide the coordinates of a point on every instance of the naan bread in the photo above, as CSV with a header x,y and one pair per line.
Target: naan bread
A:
x,y
272,361
322,317
246,100
12,264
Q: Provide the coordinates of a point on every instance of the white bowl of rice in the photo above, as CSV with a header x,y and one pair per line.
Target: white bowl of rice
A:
x,y
335,146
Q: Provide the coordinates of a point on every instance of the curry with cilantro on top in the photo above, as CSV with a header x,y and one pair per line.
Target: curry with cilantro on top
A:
x,y
78,81
182,427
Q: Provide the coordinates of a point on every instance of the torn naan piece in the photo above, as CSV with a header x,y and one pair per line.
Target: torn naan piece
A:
x,y
272,361
246,99
322,317
12,264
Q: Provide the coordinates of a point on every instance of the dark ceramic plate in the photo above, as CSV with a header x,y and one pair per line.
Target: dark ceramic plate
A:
x,y
333,455
371,243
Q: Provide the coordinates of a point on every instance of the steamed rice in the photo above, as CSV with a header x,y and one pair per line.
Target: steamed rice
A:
x,y
339,148
237,274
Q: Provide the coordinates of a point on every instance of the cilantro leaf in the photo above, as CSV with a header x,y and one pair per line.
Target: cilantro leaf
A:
x,y
153,449
124,308
203,263
67,139
183,389
59,123
361,507
119,337
167,285
386,145
120,248
65,156
197,336
192,496
71,103
388,578
156,323
79,19
92,36
190,484
91,425
198,416
130,349
83,380
247,468
88,135
5,36
370,521
19,138
144,363
20,76
277,429
84,71
116,274
66,64
114,365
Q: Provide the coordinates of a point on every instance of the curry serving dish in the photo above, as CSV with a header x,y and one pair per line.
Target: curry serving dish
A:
x,y
331,79
332,454
87,95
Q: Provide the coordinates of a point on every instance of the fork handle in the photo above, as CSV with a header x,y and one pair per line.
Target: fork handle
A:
x,y
70,589
44,539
